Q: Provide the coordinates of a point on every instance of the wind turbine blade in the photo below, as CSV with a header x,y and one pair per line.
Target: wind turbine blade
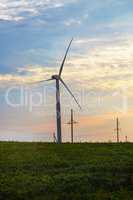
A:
x,y
70,92
33,83
62,65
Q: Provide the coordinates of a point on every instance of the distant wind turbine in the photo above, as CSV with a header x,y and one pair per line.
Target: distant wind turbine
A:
x,y
58,79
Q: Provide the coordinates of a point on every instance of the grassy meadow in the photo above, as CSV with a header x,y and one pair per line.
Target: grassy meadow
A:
x,y
41,171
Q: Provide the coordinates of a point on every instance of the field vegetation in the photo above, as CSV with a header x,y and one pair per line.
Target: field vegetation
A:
x,y
41,171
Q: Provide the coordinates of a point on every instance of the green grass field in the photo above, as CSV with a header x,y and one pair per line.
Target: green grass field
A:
x,y
40,171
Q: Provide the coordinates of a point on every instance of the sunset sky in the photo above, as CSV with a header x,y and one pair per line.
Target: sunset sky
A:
x,y
99,69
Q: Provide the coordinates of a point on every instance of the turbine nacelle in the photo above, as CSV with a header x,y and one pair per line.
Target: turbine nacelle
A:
x,y
55,77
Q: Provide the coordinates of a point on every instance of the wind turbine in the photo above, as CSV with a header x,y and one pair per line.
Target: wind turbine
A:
x,y
59,80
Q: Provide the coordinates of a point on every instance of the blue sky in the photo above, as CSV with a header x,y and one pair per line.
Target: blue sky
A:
x,y
33,37
46,28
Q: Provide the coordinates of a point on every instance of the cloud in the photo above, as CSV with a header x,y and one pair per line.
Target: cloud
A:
x,y
28,74
18,10
71,22
102,65
106,63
